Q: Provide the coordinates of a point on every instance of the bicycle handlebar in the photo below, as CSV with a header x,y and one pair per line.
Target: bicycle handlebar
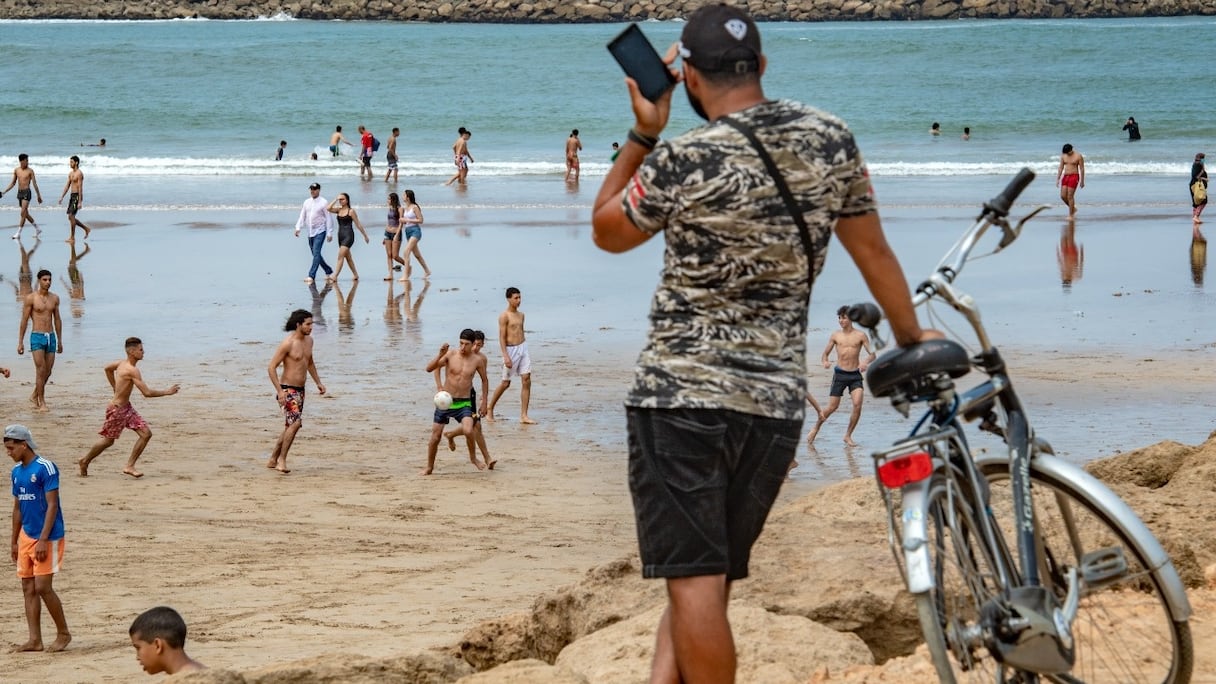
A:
x,y
999,206
995,211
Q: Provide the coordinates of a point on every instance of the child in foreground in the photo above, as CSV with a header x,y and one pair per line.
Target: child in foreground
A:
x,y
159,638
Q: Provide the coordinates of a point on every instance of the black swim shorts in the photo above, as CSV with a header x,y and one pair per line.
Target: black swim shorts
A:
x,y
845,380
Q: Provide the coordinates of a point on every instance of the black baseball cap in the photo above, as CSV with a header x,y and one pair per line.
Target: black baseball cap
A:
x,y
722,39
315,186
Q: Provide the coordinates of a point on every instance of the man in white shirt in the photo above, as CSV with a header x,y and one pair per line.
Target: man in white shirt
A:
x,y
314,216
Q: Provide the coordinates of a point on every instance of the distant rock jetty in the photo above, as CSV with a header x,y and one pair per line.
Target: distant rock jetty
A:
x,y
591,11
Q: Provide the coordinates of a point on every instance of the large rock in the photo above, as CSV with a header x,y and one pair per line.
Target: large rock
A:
x,y
938,9
1170,486
421,668
770,648
209,677
608,594
825,557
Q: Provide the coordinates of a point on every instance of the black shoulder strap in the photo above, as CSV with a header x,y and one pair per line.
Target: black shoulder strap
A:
x,y
784,190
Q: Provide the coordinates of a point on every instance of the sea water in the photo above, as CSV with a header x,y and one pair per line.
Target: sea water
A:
x,y
194,252
185,102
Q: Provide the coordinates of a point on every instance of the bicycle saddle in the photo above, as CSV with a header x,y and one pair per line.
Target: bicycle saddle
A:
x,y
908,365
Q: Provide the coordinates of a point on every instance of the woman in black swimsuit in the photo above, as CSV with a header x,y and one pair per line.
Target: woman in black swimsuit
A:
x,y
348,220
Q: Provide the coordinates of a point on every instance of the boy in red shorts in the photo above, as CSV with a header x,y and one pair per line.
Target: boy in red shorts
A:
x,y
120,414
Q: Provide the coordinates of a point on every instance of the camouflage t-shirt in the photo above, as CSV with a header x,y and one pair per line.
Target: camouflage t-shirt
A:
x,y
728,320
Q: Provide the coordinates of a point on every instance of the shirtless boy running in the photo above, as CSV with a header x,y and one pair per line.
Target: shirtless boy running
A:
x,y
24,179
1069,176
46,340
515,359
295,356
120,414
848,342
76,185
459,366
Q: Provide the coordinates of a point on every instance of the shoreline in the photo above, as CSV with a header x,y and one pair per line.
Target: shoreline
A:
x,y
222,309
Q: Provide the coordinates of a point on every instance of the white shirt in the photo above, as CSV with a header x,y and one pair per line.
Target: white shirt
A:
x,y
315,216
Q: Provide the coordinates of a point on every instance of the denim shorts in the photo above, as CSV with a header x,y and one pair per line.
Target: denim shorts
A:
x,y
703,482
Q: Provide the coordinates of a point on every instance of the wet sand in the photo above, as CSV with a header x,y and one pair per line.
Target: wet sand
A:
x,y
353,552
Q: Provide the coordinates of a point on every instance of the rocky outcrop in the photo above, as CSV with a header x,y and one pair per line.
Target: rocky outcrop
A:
x,y
776,649
587,11
824,602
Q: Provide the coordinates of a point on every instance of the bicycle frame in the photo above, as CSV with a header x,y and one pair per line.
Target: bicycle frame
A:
x,y
1017,433
1043,624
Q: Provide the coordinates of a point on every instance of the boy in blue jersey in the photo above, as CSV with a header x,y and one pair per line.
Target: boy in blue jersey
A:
x,y
37,535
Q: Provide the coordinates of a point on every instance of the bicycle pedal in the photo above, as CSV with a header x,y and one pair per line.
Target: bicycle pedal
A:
x,y
1103,565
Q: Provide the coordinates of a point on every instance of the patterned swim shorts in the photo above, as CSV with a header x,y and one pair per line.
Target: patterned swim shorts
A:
x,y
293,404
119,417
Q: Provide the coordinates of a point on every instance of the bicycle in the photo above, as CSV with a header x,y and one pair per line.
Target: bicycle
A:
x,y
1024,568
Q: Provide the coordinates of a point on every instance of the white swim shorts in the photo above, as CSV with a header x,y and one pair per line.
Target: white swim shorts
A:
x,y
521,363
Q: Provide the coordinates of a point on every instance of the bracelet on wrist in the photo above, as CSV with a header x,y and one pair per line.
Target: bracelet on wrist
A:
x,y
644,140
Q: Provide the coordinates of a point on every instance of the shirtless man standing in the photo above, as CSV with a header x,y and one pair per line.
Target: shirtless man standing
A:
x,y
1069,176
76,201
459,368
390,155
461,156
123,377
573,146
46,339
23,178
515,359
848,342
295,356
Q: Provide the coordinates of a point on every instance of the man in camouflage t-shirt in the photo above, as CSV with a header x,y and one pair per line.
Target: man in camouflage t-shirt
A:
x,y
716,407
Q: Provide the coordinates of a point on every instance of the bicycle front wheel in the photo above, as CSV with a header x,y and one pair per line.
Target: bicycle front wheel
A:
x,y
1125,632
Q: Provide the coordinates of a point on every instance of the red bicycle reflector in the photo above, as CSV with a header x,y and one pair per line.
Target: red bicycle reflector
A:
x,y
905,469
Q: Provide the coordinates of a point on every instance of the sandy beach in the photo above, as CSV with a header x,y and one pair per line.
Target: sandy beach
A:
x,y
352,552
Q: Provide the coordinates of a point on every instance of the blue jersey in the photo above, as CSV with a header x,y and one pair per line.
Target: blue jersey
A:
x,y
30,485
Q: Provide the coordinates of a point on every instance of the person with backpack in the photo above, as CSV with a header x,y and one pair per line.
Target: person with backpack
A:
x,y
368,146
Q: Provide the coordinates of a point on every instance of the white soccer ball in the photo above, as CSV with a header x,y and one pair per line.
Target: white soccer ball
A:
x,y
443,400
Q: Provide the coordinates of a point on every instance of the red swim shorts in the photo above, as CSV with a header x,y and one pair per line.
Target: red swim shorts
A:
x,y
1070,180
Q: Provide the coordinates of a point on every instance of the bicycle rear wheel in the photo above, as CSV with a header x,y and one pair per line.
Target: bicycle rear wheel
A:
x,y
1124,631
965,578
